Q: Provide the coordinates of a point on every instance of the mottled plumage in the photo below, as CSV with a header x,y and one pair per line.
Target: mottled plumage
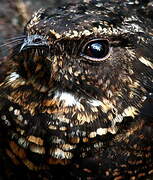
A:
x,y
77,99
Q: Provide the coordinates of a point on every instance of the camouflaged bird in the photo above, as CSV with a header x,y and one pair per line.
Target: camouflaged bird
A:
x,y
77,100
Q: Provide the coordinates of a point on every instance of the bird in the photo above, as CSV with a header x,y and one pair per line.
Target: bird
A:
x,y
77,98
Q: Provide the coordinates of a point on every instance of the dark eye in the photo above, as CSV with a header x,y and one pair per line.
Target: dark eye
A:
x,y
96,50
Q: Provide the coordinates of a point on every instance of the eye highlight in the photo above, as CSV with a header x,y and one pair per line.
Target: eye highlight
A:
x,y
96,50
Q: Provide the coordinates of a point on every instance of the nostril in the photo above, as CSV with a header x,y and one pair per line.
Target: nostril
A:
x,y
37,40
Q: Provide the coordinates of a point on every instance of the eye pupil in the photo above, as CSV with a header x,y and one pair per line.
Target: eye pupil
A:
x,y
96,49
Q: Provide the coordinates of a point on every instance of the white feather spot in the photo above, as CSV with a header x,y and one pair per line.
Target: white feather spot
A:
x,y
94,102
13,76
69,99
101,131
10,108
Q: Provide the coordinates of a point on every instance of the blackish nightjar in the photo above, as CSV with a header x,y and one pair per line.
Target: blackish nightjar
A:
x,y
77,100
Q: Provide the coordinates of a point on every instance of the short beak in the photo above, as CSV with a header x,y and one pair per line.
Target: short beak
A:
x,y
33,41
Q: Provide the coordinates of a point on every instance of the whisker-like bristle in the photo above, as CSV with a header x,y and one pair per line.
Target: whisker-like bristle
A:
x,y
11,42
9,45
14,38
